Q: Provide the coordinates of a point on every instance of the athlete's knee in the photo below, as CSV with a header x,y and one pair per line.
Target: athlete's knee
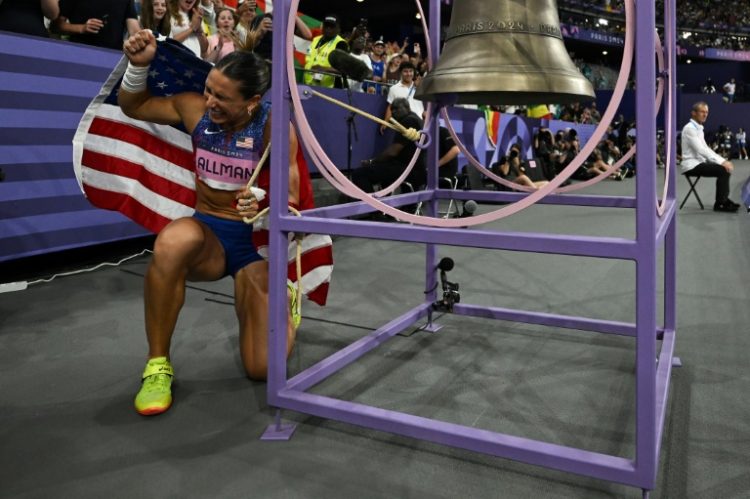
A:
x,y
256,369
178,238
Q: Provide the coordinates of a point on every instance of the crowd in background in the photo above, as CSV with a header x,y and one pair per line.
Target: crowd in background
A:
x,y
708,23
705,23
214,28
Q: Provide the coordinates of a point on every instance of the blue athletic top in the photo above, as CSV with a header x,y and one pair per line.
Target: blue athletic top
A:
x,y
226,160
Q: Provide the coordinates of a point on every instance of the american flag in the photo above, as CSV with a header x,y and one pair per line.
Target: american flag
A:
x,y
146,171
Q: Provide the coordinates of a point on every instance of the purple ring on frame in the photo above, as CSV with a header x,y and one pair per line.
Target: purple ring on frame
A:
x,y
428,140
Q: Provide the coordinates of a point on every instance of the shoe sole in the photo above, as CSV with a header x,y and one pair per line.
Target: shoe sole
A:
x,y
153,411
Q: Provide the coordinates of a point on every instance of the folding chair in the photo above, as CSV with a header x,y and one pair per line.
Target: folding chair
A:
x,y
693,182
451,182
452,205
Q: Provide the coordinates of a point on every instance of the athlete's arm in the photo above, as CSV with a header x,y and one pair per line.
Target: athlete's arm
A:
x,y
138,103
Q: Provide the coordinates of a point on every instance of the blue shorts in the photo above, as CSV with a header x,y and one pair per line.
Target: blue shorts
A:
x,y
236,237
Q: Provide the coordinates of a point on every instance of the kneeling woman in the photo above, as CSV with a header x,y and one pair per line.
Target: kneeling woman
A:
x,y
229,126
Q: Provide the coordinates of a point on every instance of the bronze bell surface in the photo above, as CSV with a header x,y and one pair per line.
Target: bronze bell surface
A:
x,y
504,52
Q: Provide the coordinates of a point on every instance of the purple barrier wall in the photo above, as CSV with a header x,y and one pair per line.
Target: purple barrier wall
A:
x,y
46,85
720,113
693,76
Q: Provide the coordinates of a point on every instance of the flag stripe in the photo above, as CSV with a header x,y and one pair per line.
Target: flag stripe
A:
x,y
159,203
319,294
121,185
122,168
128,206
172,135
156,157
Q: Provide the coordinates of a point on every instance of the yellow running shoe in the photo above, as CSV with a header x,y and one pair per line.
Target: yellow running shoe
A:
x,y
294,305
155,395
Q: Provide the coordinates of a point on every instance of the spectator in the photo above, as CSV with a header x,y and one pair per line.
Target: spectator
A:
x,y
260,38
385,168
404,88
102,23
226,39
709,87
393,70
27,16
512,169
448,154
597,166
596,116
186,23
416,58
544,152
741,143
724,139
377,63
154,16
358,45
246,14
321,47
505,170
729,90
699,159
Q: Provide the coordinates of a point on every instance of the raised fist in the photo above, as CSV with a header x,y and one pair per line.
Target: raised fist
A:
x,y
140,48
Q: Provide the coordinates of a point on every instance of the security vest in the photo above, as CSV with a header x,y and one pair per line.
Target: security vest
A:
x,y
318,56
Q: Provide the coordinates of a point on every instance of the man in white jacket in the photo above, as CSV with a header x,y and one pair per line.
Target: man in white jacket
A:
x,y
700,160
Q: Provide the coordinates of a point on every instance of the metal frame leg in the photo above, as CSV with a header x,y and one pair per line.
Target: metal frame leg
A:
x,y
693,184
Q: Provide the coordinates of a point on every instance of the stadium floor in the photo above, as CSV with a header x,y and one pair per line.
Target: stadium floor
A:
x,y
72,350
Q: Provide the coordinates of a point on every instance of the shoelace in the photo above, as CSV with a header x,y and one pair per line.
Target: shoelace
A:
x,y
156,382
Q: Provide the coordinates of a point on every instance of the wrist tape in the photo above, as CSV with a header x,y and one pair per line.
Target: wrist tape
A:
x,y
134,79
260,194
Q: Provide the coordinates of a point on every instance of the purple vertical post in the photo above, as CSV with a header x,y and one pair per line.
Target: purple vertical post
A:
x,y
670,134
432,157
433,33
277,247
645,72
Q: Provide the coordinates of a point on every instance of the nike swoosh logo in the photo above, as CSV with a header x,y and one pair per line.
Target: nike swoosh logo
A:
x,y
207,132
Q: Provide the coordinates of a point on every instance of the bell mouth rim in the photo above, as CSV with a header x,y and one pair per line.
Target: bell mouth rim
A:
x,y
504,98
535,90
526,69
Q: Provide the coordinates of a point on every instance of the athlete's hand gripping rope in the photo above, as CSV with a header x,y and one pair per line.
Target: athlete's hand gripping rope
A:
x,y
247,203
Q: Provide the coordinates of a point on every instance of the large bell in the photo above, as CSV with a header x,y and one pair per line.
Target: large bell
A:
x,y
504,52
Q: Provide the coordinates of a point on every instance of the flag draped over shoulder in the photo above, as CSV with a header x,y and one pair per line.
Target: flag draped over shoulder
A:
x,y
146,171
